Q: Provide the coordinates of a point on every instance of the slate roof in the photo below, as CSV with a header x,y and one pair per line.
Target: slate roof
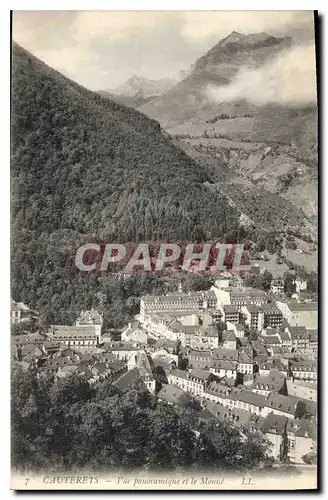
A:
x,y
217,389
129,378
302,306
91,316
302,428
174,395
223,364
229,336
225,353
271,340
274,424
304,366
198,373
176,372
179,297
73,332
282,403
274,381
225,414
200,354
247,396
228,308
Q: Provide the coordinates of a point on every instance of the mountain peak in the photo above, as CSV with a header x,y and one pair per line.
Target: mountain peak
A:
x,y
134,78
137,85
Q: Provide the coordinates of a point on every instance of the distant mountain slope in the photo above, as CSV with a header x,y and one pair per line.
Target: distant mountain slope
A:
x,y
134,102
137,91
271,144
136,84
217,67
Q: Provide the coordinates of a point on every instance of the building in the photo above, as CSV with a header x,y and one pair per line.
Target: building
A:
x,y
301,439
273,364
253,317
229,282
277,287
135,378
199,359
286,406
234,416
245,362
304,370
76,337
303,341
230,314
226,353
177,302
193,381
238,328
140,360
224,368
300,285
199,337
285,338
272,315
313,343
300,313
121,351
133,333
248,296
91,317
271,340
302,389
274,428
273,382
258,404
20,312
229,339
174,396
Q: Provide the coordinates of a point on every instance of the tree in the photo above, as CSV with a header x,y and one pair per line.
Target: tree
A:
x,y
289,284
312,282
65,424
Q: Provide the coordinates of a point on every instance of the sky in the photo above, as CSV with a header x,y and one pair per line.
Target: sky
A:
x,y
102,49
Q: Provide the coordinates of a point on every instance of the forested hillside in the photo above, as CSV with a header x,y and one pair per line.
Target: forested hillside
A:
x,y
84,166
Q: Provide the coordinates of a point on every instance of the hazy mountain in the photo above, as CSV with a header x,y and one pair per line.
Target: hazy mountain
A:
x,y
133,101
137,91
136,85
234,107
217,67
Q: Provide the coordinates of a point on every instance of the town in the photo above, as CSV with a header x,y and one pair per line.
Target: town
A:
x,y
233,353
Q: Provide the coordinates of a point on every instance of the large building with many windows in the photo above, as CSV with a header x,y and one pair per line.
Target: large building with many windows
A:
x,y
300,313
177,302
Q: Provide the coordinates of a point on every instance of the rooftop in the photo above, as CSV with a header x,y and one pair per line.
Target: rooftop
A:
x,y
128,379
228,308
224,353
174,395
302,306
199,373
73,332
274,424
179,297
282,403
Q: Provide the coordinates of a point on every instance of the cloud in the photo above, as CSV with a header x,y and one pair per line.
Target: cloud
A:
x,y
154,44
198,25
114,25
288,79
